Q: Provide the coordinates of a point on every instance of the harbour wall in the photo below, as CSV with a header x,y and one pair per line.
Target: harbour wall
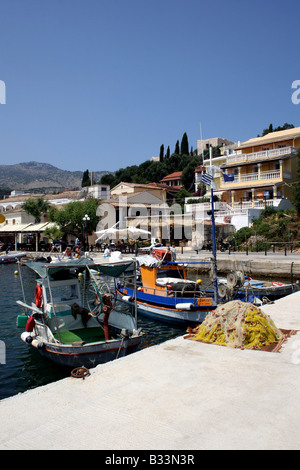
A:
x,y
277,266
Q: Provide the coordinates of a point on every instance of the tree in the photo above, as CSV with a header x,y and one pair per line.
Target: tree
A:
x,y
86,180
168,152
184,148
108,179
188,176
53,233
70,218
161,153
276,129
177,148
36,207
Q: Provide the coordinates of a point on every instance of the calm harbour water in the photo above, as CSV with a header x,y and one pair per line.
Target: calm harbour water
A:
x,y
24,368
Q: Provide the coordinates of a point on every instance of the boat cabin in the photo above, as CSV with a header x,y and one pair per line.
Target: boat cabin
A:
x,y
159,279
57,303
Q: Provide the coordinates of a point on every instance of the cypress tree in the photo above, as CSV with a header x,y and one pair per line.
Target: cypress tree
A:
x,y
86,179
184,149
161,153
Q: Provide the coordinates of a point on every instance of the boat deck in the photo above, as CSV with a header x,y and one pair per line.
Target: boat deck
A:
x,y
85,335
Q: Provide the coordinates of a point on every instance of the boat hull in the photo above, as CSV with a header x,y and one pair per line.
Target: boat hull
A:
x,y
273,293
174,317
164,308
11,257
89,355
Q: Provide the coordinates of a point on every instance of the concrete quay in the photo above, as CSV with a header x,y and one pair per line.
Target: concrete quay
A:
x,y
275,265
179,395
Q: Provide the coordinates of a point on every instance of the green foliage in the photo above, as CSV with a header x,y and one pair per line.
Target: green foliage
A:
x,y
276,129
153,172
198,200
272,226
70,218
108,179
242,235
184,148
4,192
53,233
161,153
36,207
86,181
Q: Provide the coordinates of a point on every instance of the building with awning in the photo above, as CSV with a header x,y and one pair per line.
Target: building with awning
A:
x,y
13,233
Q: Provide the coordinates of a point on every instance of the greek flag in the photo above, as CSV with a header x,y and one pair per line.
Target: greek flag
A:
x,y
206,178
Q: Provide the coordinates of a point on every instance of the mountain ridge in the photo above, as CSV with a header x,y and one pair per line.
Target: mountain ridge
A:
x,y
41,176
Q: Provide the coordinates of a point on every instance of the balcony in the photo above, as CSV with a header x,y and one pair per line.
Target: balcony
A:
x,y
263,155
256,178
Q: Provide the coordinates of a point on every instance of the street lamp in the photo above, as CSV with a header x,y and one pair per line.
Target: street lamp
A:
x,y
86,220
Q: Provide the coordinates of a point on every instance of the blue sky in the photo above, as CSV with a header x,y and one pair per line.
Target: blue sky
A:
x,y
101,84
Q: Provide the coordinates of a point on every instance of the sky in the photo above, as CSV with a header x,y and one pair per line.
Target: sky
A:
x,y
102,84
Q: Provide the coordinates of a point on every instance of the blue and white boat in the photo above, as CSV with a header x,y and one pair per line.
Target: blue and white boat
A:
x,y
164,293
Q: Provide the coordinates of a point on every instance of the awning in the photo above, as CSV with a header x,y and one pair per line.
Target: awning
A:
x,y
16,228
110,268
13,228
38,227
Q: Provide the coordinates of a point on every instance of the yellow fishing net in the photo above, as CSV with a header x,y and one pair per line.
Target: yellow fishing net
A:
x,y
239,325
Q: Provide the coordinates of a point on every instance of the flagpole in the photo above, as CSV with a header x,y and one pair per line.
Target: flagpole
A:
x,y
213,230
207,179
214,245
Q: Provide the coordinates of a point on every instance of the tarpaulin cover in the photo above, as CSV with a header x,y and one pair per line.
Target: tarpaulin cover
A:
x,y
113,269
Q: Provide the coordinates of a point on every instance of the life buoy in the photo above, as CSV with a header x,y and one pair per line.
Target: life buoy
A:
x,y
38,296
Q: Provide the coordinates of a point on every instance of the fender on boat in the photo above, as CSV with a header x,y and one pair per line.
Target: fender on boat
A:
x,y
26,337
185,306
127,298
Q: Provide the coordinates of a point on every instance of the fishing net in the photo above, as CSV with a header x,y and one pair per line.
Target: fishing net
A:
x,y
239,325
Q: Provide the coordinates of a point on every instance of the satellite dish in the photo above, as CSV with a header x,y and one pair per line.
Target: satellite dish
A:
x,y
2,218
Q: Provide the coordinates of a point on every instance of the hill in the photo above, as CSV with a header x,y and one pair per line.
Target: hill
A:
x,y
41,176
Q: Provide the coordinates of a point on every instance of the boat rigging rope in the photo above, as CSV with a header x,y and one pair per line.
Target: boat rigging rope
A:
x,y
122,341
80,372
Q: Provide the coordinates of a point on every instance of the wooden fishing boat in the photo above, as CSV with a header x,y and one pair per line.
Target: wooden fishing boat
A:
x,y
72,331
242,287
164,293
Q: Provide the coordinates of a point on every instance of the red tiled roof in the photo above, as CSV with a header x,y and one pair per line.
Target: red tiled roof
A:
x,y
173,176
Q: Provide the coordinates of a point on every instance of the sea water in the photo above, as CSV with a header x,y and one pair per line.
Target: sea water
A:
x,y
21,366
